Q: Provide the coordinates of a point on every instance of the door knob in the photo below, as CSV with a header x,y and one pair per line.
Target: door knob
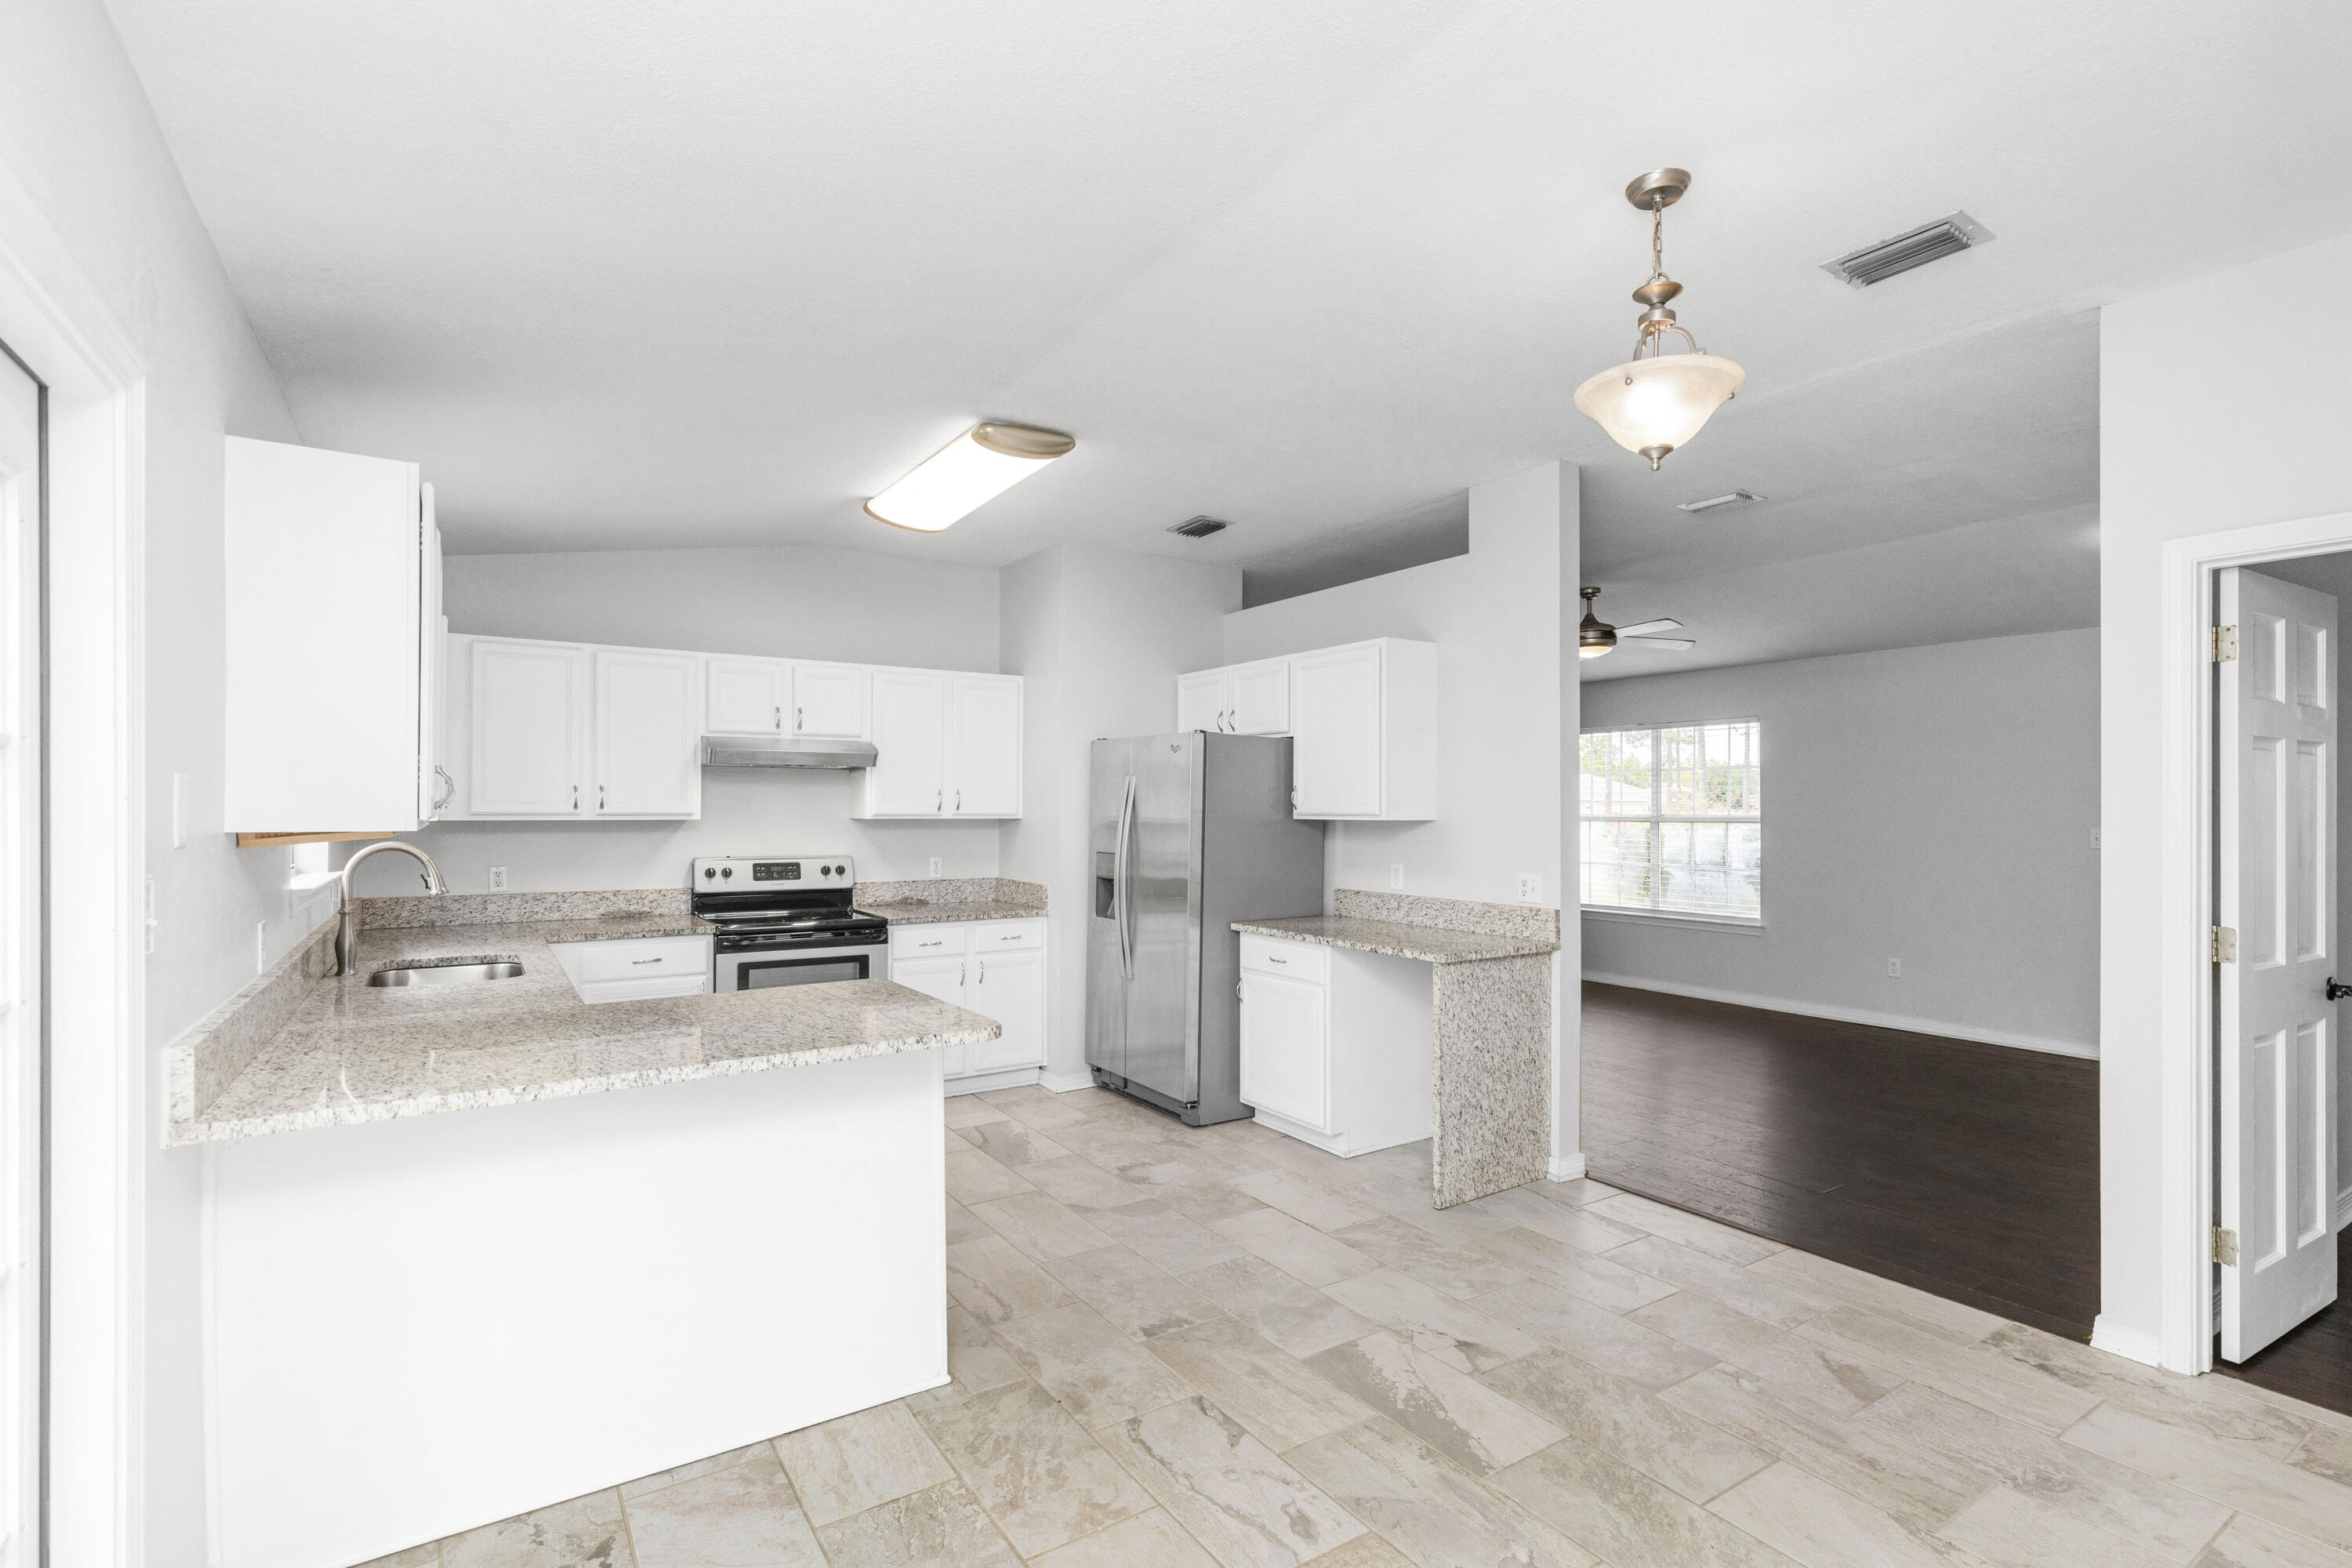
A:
x,y
2336,992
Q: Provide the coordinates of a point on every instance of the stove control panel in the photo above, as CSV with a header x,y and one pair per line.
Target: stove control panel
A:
x,y
727,873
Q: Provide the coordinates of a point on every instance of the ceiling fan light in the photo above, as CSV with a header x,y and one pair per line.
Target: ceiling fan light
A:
x,y
1653,405
966,474
1593,650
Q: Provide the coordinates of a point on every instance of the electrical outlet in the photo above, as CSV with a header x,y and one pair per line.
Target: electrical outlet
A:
x,y
1530,888
1893,969
936,863
497,879
1396,878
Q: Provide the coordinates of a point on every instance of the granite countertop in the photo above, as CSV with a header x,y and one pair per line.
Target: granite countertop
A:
x,y
1431,944
353,1053
919,912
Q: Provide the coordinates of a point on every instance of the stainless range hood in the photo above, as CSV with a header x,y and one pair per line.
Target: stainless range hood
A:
x,y
784,752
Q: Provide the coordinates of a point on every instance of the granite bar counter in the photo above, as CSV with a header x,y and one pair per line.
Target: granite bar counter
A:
x,y
421,1322
1491,1019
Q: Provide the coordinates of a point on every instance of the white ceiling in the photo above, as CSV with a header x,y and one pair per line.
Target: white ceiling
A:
x,y
711,271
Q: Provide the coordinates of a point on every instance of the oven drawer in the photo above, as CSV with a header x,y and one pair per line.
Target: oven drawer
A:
x,y
646,958
948,941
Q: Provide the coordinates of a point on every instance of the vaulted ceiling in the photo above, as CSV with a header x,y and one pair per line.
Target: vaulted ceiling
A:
x,y
712,271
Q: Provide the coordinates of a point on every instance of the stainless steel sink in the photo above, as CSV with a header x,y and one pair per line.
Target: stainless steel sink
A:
x,y
456,970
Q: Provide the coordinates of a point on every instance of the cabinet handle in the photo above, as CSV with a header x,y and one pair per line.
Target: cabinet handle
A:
x,y
964,972
600,797
800,719
940,799
575,798
449,787
958,800
1271,959
779,715
984,972
645,960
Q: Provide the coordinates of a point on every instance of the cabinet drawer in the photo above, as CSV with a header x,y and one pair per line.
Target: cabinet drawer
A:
x,y
640,990
652,958
1007,936
948,941
1298,960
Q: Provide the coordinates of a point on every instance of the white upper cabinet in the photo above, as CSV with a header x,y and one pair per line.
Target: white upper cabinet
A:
x,y
648,733
1363,718
1201,700
525,752
984,745
326,595
1239,700
749,695
829,701
1364,723
908,777
1257,698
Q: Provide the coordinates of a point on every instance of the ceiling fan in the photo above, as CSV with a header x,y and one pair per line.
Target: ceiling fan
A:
x,y
1595,636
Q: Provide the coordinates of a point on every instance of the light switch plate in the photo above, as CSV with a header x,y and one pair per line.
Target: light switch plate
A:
x,y
1530,888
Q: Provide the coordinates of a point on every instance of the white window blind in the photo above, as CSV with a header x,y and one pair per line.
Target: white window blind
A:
x,y
1672,819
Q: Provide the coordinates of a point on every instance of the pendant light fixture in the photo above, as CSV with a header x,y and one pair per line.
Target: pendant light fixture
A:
x,y
1656,402
971,470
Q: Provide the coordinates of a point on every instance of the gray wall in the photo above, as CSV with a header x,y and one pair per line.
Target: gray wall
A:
x,y
789,601
1934,804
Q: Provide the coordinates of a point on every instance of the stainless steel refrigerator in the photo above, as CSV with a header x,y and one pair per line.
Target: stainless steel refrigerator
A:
x,y
1188,833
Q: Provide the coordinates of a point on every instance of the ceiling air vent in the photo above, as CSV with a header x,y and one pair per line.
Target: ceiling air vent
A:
x,y
1918,246
1200,527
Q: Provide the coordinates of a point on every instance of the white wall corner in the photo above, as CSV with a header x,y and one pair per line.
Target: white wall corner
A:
x,y
2132,1344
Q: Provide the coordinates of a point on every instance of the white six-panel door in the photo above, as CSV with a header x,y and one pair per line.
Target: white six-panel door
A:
x,y
2277,834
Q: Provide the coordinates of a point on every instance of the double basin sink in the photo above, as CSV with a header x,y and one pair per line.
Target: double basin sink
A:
x,y
454,972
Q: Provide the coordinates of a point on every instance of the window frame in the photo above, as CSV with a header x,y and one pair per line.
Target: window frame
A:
x,y
1652,914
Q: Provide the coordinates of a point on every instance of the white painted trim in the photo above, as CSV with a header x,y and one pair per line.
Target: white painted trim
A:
x,y
983,1082
1568,1170
1857,1016
1065,1082
2132,1344
102,1121
2344,1209
2185,1042
1669,918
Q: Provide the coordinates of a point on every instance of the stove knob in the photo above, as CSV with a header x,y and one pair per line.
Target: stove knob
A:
x,y
843,870
710,870
727,870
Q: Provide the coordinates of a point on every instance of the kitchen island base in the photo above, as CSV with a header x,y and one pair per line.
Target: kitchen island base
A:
x,y
418,1326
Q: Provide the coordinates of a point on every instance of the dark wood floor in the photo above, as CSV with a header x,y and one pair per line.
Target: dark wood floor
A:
x,y
1968,1170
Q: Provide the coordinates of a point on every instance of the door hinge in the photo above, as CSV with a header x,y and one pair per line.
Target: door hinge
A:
x,y
2225,644
2225,944
2225,1246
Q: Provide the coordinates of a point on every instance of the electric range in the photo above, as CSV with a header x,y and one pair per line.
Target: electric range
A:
x,y
787,919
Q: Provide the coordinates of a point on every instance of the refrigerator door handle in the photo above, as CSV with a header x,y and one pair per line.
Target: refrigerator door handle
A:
x,y
1121,903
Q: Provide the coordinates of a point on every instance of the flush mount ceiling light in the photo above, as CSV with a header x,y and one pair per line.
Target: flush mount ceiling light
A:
x,y
1730,498
967,473
1656,401
1595,636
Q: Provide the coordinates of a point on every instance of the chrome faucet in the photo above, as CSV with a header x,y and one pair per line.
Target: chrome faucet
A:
x,y
347,934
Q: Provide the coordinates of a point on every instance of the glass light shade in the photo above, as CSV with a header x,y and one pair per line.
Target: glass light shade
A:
x,y
967,473
1654,406
1593,650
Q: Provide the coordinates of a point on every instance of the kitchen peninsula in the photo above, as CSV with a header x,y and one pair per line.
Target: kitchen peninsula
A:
x,y
419,1321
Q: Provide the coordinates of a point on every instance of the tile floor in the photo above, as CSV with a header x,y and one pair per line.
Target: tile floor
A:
x,y
1179,1348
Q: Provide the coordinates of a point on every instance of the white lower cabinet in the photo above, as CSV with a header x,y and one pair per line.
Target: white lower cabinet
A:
x,y
1336,1046
995,968
633,969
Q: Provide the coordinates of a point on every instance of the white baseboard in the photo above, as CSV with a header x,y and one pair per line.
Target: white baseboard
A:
x,y
1569,1169
981,1082
2343,1200
1064,1082
1854,1016
2132,1344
